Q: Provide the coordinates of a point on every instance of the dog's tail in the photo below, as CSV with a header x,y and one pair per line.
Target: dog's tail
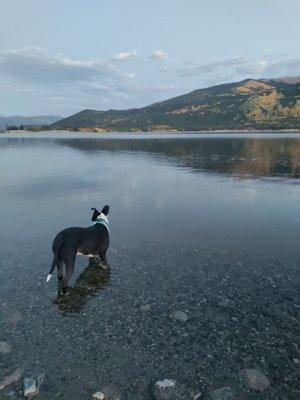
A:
x,y
58,241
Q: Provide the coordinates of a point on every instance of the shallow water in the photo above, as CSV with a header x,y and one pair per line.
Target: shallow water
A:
x,y
207,225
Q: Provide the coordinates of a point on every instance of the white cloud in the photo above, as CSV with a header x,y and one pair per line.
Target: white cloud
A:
x,y
125,56
192,70
43,79
130,75
271,68
244,67
38,66
158,55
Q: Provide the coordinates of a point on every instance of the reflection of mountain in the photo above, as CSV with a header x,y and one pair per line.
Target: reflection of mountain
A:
x,y
92,280
239,157
249,104
256,157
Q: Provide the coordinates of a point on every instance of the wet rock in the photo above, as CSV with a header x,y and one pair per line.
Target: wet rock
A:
x,y
145,307
30,388
12,378
32,384
254,379
169,389
224,303
5,348
110,392
225,393
15,317
179,316
98,396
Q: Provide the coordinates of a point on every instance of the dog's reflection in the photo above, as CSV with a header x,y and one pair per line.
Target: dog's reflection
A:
x,y
93,279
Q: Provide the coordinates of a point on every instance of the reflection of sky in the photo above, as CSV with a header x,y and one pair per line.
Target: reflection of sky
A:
x,y
58,175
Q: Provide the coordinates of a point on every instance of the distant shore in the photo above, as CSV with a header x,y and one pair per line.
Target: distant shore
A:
x,y
67,133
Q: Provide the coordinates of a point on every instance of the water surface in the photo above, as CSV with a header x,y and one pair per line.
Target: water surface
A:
x,y
204,224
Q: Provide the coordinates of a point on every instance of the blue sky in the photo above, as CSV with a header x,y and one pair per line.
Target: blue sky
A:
x,y
62,56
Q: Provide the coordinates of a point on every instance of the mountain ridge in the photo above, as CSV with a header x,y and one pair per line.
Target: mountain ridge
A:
x,y
249,104
17,120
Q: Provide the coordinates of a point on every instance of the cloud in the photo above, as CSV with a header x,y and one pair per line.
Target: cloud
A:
x,y
125,56
158,55
244,67
268,68
192,70
38,66
43,79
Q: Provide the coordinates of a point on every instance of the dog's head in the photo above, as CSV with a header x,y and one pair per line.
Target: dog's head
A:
x,y
105,210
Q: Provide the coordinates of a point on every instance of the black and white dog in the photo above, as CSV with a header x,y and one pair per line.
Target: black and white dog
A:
x,y
91,242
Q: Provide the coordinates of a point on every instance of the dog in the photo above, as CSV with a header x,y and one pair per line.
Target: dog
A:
x,y
92,241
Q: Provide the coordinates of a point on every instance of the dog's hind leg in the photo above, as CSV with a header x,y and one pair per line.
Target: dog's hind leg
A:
x,y
70,257
60,270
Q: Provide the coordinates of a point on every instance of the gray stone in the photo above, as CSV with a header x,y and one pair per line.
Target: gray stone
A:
x,y
110,392
98,396
32,384
254,379
179,316
169,389
5,348
145,307
12,378
225,393
30,388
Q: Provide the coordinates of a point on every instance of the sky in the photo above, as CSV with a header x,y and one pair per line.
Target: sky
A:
x,y
58,57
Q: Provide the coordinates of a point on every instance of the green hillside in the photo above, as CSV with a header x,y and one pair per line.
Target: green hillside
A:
x,y
249,104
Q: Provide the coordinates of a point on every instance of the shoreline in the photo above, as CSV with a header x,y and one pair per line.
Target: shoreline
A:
x,y
151,134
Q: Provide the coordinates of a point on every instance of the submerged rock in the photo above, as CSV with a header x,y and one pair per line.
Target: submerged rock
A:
x,y
12,378
145,307
254,379
179,316
5,348
14,318
110,392
225,393
169,389
98,396
31,385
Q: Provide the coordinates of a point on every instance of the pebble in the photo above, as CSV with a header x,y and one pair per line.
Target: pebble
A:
x,y
31,385
15,317
169,389
225,393
145,307
225,303
98,396
5,348
12,378
30,388
254,379
179,316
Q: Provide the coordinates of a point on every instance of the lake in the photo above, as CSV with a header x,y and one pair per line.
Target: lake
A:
x,y
204,256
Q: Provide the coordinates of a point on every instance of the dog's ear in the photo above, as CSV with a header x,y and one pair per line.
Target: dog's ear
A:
x,y
105,210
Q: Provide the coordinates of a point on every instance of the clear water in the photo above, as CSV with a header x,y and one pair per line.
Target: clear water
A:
x,y
204,224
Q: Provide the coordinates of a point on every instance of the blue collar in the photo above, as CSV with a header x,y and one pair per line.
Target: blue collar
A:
x,y
102,222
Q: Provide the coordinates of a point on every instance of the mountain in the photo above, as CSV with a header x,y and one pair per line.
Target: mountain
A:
x,y
249,104
18,120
